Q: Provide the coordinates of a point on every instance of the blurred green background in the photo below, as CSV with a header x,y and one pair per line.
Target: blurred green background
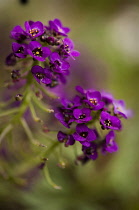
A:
x,y
107,35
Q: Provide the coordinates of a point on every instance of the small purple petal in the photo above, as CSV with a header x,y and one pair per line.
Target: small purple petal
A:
x,y
119,108
110,145
75,53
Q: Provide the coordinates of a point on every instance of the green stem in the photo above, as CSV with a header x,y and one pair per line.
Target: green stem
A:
x,y
24,59
49,94
25,101
6,103
34,116
61,162
53,146
41,105
5,131
29,133
75,150
8,112
49,180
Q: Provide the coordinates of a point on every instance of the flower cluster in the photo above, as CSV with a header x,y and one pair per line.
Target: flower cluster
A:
x,y
47,47
93,117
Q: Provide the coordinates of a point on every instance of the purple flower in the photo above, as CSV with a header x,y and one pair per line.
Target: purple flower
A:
x,y
68,139
18,33
65,117
68,48
10,60
37,51
61,77
41,74
83,159
81,90
15,75
57,27
34,29
110,122
110,145
61,136
82,115
58,64
19,50
94,100
71,104
107,97
91,151
119,109
84,135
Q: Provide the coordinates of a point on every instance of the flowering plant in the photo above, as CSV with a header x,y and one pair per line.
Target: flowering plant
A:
x,y
39,61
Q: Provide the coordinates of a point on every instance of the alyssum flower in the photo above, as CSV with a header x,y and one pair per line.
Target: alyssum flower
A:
x,y
92,108
46,46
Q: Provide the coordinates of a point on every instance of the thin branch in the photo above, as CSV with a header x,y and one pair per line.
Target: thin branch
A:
x,y
41,105
5,131
49,180
29,134
49,94
34,116
8,112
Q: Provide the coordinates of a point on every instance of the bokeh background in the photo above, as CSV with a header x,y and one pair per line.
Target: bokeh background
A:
x,y
107,35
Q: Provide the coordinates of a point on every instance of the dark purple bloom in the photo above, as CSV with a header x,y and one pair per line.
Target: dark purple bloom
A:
x,y
119,109
71,104
18,33
83,159
110,122
58,64
15,75
68,139
19,50
65,117
68,48
82,115
10,60
37,51
84,134
57,27
110,145
61,136
53,84
34,29
50,40
107,97
62,78
94,100
91,151
81,90
41,74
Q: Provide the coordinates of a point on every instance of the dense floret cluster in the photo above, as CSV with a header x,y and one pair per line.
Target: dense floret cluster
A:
x,y
92,117
46,47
